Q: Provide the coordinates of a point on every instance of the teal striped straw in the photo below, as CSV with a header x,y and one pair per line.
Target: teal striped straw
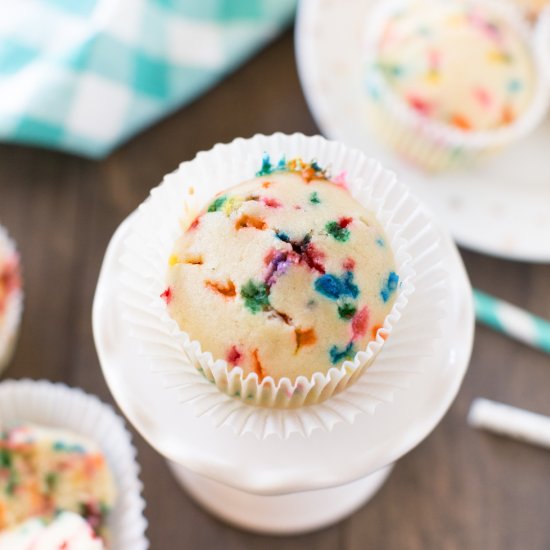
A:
x,y
513,321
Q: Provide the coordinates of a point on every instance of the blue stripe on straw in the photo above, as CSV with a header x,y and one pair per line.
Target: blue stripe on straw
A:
x,y
543,333
512,321
486,310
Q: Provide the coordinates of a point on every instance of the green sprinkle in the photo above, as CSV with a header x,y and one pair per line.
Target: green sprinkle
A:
x,y
267,168
337,231
51,480
314,198
5,458
217,204
255,296
346,310
11,485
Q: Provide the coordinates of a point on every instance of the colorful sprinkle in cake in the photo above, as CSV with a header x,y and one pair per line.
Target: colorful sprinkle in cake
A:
x,y
10,297
283,275
44,471
68,531
456,62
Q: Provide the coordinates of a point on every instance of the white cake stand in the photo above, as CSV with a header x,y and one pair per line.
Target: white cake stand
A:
x,y
275,485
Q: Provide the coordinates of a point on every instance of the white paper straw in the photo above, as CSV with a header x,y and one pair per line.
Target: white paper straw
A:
x,y
510,421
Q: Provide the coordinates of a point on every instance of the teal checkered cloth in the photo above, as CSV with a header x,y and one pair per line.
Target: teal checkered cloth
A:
x,y
85,75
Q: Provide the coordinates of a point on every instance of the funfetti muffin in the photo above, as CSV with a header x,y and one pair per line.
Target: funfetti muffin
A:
x,y
446,79
285,275
44,471
68,531
11,297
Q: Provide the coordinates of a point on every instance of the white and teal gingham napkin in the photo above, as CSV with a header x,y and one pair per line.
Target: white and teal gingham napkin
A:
x,y
85,75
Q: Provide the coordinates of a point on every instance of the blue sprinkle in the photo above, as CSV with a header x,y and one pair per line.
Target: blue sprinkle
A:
x,y
373,91
334,287
389,286
336,354
282,164
350,288
282,236
316,166
380,242
514,85
266,168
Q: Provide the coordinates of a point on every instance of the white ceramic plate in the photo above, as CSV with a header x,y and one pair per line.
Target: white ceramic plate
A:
x,y
282,466
500,207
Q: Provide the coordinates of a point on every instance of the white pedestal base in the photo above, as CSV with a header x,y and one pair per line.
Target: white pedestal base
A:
x,y
282,514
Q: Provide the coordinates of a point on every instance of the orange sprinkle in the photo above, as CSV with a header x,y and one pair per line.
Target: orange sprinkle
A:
x,y
227,289
460,121
305,337
257,366
2,515
308,174
266,184
195,259
375,329
250,221
507,115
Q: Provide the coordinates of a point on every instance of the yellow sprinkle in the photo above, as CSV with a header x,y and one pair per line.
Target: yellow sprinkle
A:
x,y
173,260
231,204
191,190
433,77
292,164
498,56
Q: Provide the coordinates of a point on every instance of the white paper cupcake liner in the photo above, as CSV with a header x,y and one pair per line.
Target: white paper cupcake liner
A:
x,y
171,354
431,145
153,249
10,319
57,405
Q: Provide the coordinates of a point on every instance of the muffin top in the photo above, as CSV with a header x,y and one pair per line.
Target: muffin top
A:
x,y
44,470
68,531
457,63
10,281
283,275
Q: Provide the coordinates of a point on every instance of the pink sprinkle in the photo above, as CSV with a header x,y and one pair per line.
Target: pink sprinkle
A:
x,y
167,295
341,178
349,264
489,29
359,323
271,202
419,104
483,96
434,57
233,355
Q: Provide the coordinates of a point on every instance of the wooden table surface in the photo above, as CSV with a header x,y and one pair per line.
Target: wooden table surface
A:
x,y
460,488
